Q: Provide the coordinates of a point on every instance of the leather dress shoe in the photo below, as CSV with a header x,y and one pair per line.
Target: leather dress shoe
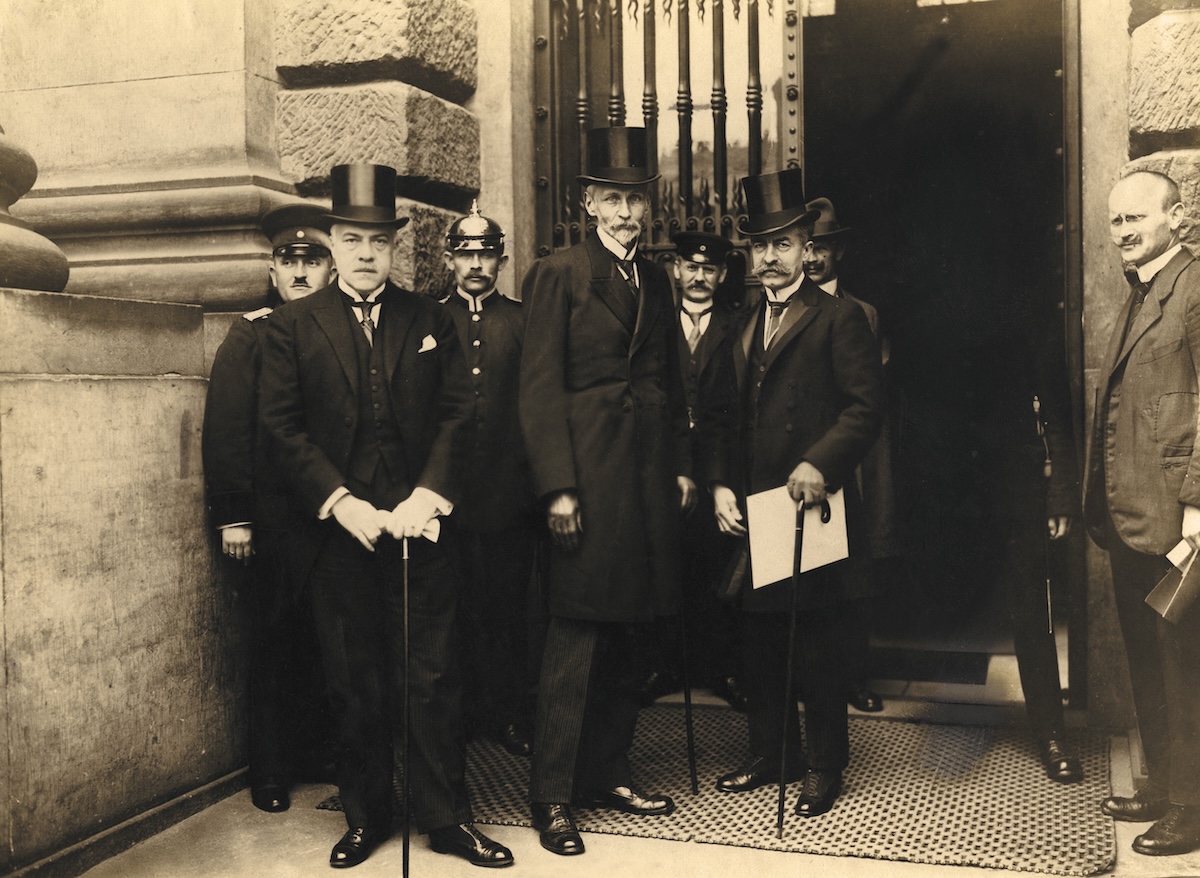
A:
x,y
863,697
1138,808
556,828
656,685
820,791
515,741
465,841
1061,766
1176,833
270,796
758,772
633,802
728,689
356,845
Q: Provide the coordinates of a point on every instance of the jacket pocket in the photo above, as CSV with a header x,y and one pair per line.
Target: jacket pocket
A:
x,y
1160,351
1175,423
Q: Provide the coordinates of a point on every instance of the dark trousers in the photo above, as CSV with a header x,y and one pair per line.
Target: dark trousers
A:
x,y
495,616
358,605
1164,669
586,711
819,680
289,720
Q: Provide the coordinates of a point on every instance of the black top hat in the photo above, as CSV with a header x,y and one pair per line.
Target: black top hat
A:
x,y
774,202
617,156
701,247
365,195
297,229
826,225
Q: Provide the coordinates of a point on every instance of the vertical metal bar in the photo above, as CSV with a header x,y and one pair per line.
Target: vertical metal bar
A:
x,y
683,106
616,78
582,100
650,101
720,111
791,122
546,125
754,99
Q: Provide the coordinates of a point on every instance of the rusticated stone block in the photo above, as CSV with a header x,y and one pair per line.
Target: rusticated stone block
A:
x,y
432,144
1182,166
419,265
1164,88
429,43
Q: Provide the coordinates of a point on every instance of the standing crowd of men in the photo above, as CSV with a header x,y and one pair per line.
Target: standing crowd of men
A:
x,y
488,513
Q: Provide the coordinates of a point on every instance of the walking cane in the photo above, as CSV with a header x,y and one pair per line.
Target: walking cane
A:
x,y
1047,472
687,703
789,700
404,747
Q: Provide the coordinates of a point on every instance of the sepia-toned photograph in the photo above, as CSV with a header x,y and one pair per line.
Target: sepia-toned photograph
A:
x,y
583,438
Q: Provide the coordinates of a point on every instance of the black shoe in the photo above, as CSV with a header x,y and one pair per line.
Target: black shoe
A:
x,y
758,772
1138,808
356,845
512,739
465,841
727,688
270,796
863,697
820,791
556,828
633,802
1061,766
1178,832
656,685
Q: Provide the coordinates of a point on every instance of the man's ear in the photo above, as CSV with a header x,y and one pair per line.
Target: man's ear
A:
x,y
724,270
678,273
271,275
503,262
1175,215
448,260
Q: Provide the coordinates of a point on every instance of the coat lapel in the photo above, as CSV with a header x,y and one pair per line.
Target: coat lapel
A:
x,y
648,301
609,286
802,311
330,315
741,351
397,324
1151,311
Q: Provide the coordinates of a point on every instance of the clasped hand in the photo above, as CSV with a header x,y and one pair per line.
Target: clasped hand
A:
x,y
366,523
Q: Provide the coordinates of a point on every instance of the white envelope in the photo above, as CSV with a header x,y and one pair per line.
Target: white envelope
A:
x,y
771,520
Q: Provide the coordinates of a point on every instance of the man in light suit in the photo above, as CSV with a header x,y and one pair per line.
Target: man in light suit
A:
x,y
809,406
605,425
1142,495
366,399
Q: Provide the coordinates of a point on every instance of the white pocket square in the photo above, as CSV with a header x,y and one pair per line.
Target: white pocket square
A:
x,y
428,343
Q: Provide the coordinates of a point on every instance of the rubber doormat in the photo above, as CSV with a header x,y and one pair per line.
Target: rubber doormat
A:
x,y
949,795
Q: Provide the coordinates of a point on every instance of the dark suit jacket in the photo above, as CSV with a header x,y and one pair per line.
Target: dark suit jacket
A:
x,y
497,495
310,384
603,413
1147,466
819,398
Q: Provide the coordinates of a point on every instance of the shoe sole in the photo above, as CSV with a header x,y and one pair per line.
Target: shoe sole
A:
x,y
562,853
487,864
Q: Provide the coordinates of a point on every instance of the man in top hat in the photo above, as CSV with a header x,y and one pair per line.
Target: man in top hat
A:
x,y
494,518
709,294
1142,497
366,397
605,424
822,260
287,713
809,403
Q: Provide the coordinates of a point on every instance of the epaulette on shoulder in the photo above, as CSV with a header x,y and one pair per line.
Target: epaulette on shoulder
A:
x,y
257,315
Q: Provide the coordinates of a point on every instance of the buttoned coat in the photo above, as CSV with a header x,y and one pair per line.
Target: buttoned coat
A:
x,y
816,396
310,384
603,414
1141,459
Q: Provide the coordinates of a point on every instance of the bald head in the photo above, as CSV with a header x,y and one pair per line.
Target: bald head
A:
x,y
1144,215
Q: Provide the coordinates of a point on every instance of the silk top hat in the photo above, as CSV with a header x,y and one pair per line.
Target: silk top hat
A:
x,y
475,232
295,230
364,195
617,156
701,247
774,202
826,225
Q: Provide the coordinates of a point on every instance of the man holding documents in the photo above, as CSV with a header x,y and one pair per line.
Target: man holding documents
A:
x,y
808,407
1142,498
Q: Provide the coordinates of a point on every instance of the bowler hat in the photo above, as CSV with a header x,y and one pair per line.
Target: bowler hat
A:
x,y
826,225
364,195
296,229
617,156
701,247
774,202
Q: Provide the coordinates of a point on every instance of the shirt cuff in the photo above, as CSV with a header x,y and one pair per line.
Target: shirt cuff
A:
x,y
440,504
235,524
327,507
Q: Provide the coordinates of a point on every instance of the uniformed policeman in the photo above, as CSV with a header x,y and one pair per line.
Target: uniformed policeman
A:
x,y
287,712
495,516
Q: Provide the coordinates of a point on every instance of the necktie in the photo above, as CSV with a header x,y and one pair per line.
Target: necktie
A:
x,y
630,275
693,337
775,318
366,323
1139,288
